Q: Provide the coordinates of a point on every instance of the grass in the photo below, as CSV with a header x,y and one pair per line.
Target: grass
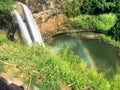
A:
x,y
51,71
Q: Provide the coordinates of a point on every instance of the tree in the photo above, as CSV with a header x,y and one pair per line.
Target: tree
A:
x,y
115,31
71,8
5,8
97,6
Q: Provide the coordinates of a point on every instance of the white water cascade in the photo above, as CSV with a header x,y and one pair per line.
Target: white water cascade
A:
x,y
32,28
23,28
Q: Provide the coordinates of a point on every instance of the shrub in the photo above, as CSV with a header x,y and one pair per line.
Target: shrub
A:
x,y
115,84
101,23
85,22
105,21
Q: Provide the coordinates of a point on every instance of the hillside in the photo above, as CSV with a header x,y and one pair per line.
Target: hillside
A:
x,y
37,66
40,67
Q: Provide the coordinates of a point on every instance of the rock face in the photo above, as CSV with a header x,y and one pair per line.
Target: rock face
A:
x,y
41,5
43,13
42,9
38,7
18,7
52,24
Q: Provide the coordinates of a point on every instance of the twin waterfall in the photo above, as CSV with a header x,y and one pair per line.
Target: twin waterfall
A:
x,y
29,28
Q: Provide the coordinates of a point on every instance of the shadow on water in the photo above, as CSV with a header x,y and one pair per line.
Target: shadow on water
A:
x,y
95,52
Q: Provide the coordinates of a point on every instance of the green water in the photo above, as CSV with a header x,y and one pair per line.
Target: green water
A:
x,y
103,56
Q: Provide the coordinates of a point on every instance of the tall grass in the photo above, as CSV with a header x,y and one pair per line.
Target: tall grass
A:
x,y
50,71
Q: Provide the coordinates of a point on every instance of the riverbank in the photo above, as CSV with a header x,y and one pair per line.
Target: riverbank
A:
x,y
110,41
103,37
91,35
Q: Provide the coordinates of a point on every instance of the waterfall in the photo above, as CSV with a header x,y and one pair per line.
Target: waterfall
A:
x,y
31,27
23,28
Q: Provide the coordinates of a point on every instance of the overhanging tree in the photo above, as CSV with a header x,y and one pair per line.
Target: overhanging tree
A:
x,y
5,8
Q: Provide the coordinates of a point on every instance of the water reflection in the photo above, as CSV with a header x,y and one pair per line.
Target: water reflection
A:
x,y
95,52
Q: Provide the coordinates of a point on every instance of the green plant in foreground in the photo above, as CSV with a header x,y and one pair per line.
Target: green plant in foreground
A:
x,y
115,84
50,71
1,67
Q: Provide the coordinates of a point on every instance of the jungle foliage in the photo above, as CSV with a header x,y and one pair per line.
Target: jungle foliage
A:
x,y
95,7
5,8
97,23
115,31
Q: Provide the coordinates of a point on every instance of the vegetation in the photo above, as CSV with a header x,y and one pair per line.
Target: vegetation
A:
x,y
71,9
90,8
50,71
115,31
109,40
5,8
97,6
100,23
115,84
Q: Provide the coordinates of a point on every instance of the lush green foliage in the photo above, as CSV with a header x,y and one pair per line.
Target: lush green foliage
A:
x,y
97,6
104,6
101,23
93,7
116,9
71,9
50,71
109,40
85,22
115,31
6,4
5,7
115,84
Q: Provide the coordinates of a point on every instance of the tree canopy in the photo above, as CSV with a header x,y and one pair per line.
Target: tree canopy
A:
x,y
5,8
